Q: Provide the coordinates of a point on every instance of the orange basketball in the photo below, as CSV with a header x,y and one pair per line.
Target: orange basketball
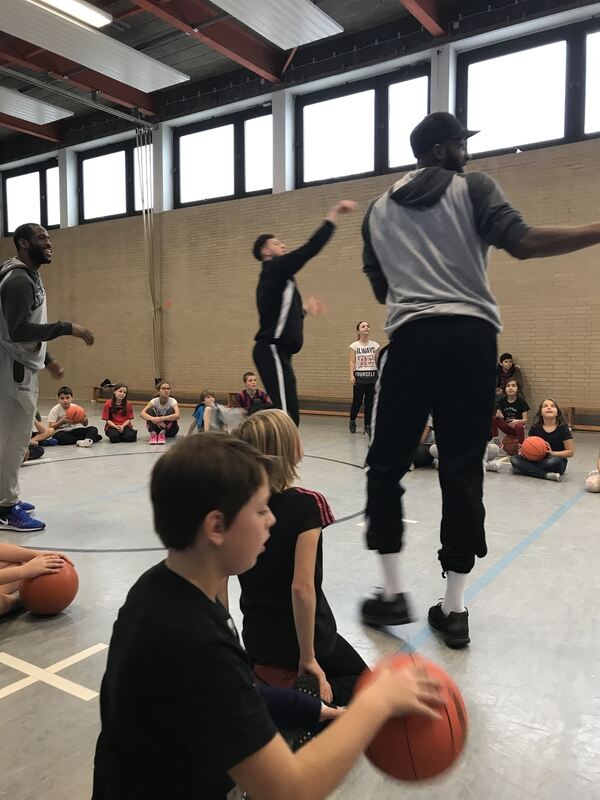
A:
x,y
75,413
510,444
50,594
534,448
414,748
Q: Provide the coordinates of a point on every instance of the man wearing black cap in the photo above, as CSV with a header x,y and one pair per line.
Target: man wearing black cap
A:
x,y
425,252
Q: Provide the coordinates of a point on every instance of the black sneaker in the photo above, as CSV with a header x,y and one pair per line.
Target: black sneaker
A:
x,y
367,430
454,627
381,613
352,426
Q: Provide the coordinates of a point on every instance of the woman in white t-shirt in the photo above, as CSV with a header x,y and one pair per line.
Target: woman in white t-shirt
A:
x,y
363,375
161,415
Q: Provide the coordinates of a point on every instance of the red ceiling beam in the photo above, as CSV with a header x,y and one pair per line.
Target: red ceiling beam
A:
x,y
225,36
50,132
428,12
16,51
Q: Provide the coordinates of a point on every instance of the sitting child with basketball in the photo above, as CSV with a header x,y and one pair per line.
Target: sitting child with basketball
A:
x,y
162,415
20,563
70,423
118,416
545,452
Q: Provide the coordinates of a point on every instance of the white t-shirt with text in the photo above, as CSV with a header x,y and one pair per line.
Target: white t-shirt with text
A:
x,y
365,356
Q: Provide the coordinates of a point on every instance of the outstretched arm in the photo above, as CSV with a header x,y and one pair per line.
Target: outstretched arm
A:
x,y
541,242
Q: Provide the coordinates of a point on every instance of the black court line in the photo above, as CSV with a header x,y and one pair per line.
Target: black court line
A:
x,y
162,549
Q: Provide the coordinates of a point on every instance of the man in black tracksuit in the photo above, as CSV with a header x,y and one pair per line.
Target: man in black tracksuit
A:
x,y
281,311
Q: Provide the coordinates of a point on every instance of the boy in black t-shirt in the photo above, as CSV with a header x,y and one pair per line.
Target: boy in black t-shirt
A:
x,y
181,717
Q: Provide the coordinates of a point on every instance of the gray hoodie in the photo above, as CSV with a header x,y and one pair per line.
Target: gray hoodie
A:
x,y
426,243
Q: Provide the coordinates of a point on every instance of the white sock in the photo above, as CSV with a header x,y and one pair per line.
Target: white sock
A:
x,y
454,599
392,584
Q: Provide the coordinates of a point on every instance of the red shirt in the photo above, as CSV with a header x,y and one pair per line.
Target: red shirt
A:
x,y
119,416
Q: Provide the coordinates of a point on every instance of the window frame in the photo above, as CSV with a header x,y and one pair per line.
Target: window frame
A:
x,y
380,84
40,167
236,119
575,38
128,148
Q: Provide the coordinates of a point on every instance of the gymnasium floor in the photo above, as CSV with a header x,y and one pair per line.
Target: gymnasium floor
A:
x,y
530,677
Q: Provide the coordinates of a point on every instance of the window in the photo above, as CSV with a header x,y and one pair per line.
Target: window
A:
x,y
408,103
224,158
592,83
339,137
31,195
258,153
517,98
206,164
104,186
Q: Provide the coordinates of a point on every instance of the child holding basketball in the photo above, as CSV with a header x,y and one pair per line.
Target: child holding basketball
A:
x,y
162,415
118,416
68,428
207,728
549,424
20,563
287,619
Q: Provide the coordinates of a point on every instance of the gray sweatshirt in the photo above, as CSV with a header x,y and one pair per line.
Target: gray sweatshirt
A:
x,y
426,243
24,330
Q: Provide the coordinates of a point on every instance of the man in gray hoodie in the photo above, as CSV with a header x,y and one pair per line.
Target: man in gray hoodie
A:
x,y
426,243
24,331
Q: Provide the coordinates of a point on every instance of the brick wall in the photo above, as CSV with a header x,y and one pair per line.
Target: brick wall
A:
x,y
551,308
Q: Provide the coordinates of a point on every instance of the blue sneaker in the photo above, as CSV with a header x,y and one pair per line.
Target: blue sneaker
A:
x,y
28,507
51,442
19,520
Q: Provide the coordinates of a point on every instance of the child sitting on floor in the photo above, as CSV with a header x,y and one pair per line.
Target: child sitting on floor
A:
x,y
19,563
511,412
251,396
592,482
68,432
505,370
549,424
162,415
201,415
118,415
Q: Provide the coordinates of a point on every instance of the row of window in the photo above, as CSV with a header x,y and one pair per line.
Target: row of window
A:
x,y
525,95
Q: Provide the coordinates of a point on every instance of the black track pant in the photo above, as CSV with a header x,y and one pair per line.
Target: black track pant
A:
x,y
274,365
115,436
362,391
444,366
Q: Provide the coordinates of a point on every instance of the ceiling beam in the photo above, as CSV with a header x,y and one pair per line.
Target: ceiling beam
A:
x,y
429,14
50,132
224,35
16,51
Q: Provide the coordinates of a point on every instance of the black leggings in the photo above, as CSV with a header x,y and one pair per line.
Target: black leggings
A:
x,y
77,434
362,391
343,667
127,435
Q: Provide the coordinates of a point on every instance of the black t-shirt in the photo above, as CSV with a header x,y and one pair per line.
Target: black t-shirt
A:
x,y
178,703
555,439
512,410
269,631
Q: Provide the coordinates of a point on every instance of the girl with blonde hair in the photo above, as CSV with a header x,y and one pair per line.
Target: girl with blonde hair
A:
x,y
287,619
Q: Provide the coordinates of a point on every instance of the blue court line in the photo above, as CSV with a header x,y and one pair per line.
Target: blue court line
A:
x,y
489,575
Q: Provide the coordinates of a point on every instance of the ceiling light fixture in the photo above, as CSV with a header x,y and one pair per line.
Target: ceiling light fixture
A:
x,y
77,10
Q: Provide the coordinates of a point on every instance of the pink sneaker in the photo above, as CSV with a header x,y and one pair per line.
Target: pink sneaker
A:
x,y
162,438
153,438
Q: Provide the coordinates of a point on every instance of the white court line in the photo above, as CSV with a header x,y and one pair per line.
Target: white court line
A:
x,y
48,675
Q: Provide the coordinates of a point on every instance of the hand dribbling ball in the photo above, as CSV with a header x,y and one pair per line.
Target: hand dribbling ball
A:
x,y
534,448
412,747
50,594
75,414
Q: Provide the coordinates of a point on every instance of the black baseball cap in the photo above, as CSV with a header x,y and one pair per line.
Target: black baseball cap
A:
x,y
437,128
